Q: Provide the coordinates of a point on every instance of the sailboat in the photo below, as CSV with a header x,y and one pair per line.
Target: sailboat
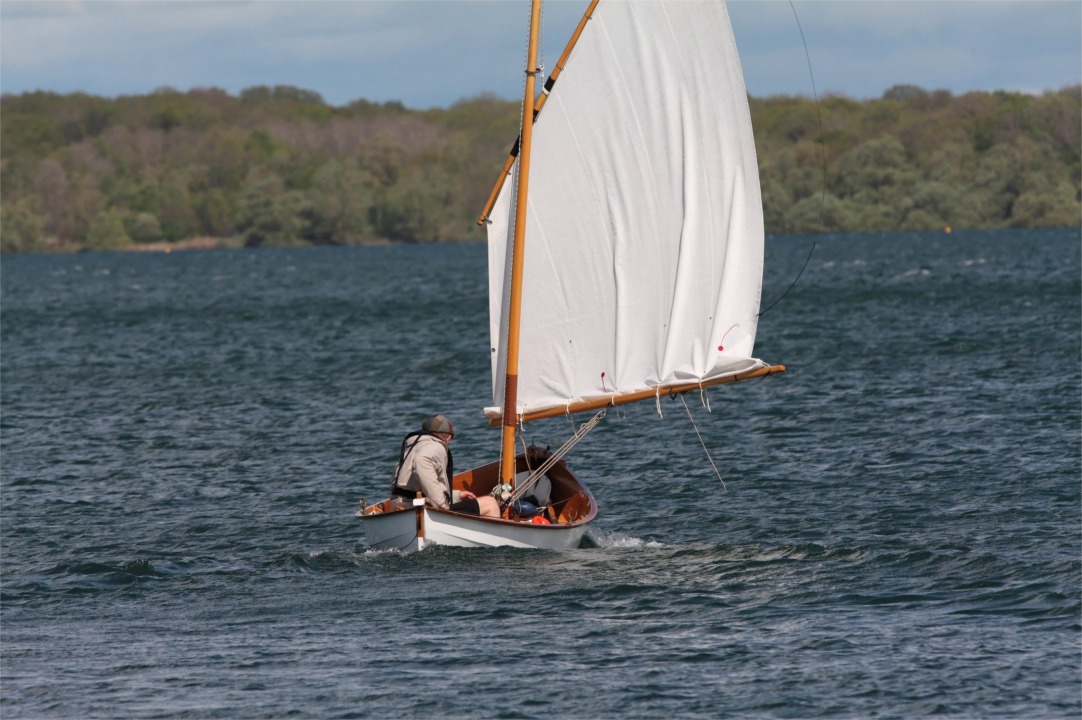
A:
x,y
625,239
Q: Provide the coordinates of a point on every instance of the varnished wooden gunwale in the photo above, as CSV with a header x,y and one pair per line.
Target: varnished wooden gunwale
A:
x,y
575,504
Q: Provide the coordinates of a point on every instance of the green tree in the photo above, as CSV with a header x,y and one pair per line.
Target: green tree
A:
x,y
222,153
53,195
415,209
143,228
277,165
271,216
215,211
776,203
107,232
175,211
31,134
1056,207
20,228
819,213
341,199
877,181
88,202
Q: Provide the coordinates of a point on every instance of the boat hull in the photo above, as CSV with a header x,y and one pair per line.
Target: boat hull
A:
x,y
399,531
409,526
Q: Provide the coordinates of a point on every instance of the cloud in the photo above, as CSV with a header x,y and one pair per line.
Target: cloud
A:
x,y
862,48
433,52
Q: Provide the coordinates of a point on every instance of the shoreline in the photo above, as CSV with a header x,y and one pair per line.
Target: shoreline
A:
x,y
56,246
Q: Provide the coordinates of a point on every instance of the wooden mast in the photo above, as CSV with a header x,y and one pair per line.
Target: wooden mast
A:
x,y
510,394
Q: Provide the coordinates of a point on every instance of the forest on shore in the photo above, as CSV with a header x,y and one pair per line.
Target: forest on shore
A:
x,y
277,166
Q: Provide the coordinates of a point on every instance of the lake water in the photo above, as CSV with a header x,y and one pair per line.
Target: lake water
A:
x,y
185,438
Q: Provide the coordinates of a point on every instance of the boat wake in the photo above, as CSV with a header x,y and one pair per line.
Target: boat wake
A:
x,y
615,540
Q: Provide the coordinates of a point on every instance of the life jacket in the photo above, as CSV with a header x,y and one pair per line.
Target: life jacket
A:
x,y
408,443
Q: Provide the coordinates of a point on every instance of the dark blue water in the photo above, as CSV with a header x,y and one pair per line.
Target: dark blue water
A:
x,y
185,438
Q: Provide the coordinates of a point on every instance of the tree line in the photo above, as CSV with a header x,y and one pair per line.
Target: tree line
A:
x,y
279,166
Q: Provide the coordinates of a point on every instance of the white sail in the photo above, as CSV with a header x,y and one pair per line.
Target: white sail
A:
x,y
644,243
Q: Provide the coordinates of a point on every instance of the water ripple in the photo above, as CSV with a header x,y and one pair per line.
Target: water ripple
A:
x,y
185,439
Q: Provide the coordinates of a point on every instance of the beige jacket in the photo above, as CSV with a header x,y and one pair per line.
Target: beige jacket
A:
x,y
425,468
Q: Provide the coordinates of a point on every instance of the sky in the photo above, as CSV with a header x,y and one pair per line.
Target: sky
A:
x,y
432,53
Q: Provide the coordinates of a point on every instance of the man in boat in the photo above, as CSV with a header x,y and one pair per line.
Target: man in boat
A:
x,y
426,465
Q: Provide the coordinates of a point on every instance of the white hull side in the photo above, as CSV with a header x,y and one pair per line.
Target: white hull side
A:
x,y
398,530
393,531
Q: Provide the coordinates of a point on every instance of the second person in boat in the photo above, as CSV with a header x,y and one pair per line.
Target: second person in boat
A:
x,y
425,465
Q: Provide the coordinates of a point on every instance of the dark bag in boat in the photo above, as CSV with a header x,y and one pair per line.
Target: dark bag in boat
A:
x,y
525,508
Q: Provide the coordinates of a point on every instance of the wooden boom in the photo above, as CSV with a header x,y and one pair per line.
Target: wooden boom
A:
x,y
627,398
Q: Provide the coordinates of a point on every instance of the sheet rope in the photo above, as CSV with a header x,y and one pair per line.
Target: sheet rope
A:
x,y
521,489
696,427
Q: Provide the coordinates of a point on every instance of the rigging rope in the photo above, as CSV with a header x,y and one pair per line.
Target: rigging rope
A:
x,y
823,150
522,488
541,48
716,471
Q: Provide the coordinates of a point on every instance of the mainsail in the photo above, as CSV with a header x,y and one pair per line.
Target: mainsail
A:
x,y
644,239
